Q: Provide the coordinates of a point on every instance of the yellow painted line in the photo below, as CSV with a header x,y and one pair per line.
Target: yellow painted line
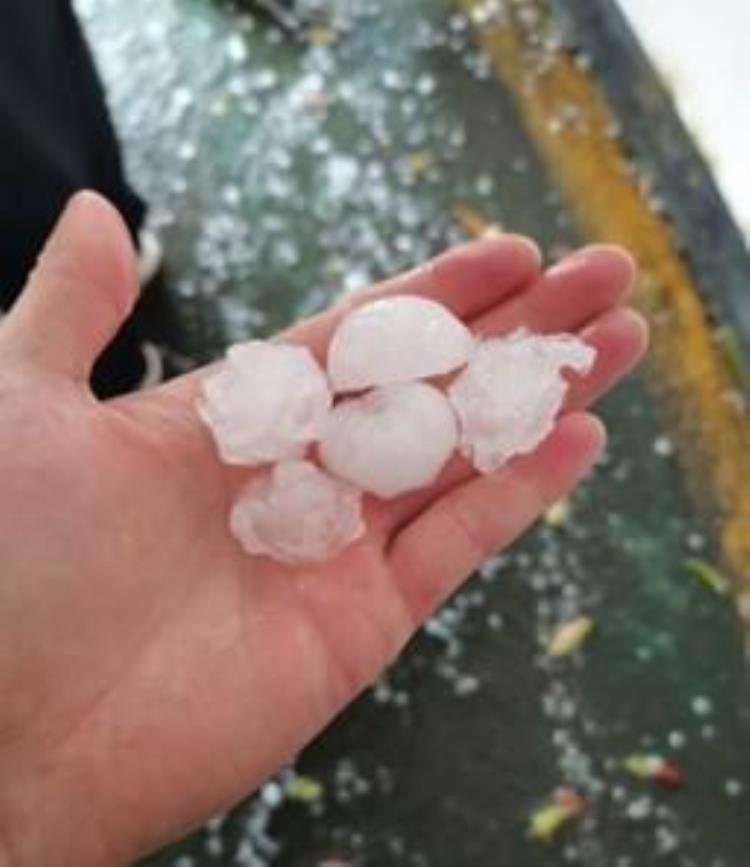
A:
x,y
570,122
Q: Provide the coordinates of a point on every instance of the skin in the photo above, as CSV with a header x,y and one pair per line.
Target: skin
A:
x,y
151,673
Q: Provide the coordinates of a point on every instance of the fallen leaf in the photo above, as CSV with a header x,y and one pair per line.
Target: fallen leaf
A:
x,y
656,768
420,162
475,225
570,636
709,575
552,816
305,789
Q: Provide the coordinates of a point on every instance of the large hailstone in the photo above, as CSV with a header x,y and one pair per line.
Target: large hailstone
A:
x,y
267,402
296,513
511,392
396,339
392,440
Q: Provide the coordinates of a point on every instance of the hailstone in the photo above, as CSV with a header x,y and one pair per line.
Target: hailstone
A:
x,y
511,392
268,401
392,440
294,512
396,339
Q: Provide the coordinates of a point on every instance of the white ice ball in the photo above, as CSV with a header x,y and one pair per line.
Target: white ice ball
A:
x,y
267,401
511,392
396,339
296,513
392,440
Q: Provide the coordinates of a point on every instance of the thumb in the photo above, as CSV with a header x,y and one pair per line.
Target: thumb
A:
x,y
82,289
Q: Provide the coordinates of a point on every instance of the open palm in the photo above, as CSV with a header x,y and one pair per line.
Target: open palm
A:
x,y
150,672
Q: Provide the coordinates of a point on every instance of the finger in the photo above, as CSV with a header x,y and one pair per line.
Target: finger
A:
x,y
468,279
82,289
620,338
434,553
566,297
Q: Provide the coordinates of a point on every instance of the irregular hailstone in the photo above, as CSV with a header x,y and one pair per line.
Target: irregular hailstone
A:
x,y
396,339
296,513
267,402
511,392
394,439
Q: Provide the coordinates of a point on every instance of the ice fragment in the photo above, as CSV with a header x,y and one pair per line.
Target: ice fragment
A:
x,y
267,402
511,392
394,439
342,172
396,339
296,513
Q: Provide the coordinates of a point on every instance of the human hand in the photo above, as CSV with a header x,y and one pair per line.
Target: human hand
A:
x,y
151,673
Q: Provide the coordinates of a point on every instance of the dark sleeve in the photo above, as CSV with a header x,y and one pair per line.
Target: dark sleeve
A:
x,y
56,135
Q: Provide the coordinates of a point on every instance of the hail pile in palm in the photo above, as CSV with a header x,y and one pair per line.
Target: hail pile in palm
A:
x,y
374,422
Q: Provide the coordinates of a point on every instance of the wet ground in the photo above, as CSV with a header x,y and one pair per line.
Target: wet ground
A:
x,y
283,171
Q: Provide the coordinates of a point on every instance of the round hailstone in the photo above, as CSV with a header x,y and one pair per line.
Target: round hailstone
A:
x,y
267,402
296,513
396,339
394,439
509,396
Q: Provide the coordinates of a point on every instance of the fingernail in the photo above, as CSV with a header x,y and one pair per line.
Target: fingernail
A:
x,y
618,260
533,248
572,262
521,241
